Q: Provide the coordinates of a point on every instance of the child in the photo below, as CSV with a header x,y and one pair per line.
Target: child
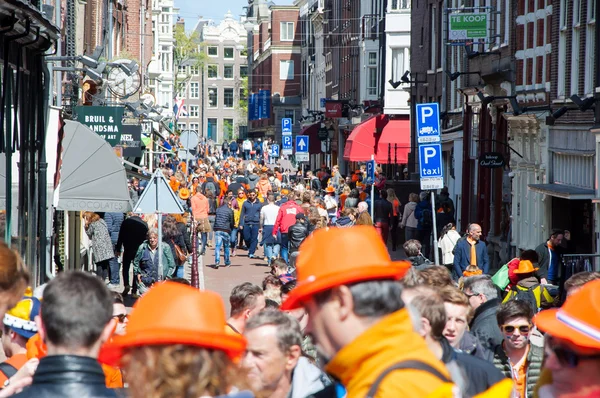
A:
x,y
472,270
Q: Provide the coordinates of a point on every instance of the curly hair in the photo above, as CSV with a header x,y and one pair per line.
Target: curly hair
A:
x,y
179,371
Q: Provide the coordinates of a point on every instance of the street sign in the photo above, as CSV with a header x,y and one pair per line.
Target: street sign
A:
x,y
428,123
468,26
430,166
370,171
286,126
301,156
286,145
158,197
301,144
275,150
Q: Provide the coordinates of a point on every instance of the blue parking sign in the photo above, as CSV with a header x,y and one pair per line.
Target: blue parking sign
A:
x,y
286,144
275,150
430,166
428,122
370,171
286,125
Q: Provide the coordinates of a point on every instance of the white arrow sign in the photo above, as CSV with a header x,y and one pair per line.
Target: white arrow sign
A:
x,y
301,145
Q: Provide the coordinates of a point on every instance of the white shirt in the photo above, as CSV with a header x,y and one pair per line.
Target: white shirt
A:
x,y
447,244
247,145
268,214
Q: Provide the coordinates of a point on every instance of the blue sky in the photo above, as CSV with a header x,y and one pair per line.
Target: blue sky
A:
x,y
190,10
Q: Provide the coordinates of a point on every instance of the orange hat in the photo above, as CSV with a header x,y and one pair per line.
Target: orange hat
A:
x,y
525,267
209,174
285,191
330,189
578,320
184,193
173,313
343,265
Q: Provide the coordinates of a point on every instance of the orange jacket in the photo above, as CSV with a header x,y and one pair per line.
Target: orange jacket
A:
x,y
17,361
389,341
263,186
199,206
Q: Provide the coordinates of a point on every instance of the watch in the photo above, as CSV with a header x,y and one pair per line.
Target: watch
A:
x,y
120,83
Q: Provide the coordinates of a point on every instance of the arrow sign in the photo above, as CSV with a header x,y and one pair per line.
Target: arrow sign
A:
x,y
302,143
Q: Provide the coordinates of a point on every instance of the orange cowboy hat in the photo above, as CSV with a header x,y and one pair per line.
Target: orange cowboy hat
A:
x,y
173,313
343,266
525,267
578,320
285,191
330,189
184,193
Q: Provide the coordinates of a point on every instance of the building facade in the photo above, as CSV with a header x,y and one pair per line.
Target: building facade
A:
x,y
160,70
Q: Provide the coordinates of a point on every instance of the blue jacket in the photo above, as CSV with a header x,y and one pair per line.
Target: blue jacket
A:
x,y
113,223
462,256
421,206
250,214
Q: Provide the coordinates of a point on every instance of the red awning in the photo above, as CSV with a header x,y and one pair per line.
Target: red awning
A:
x,y
393,145
314,143
361,143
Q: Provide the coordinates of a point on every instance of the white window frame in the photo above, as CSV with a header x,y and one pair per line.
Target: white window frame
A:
x,y
216,102
181,126
289,69
195,127
399,5
232,66
194,70
283,27
575,46
183,69
507,20
232,126
216,67
194,111
232,98
232,53
240,70
590,43
194,90
208,51
371,66
398,70
562,49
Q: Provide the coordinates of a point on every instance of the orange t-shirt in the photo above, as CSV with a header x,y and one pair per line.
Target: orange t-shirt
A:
x,y
362,196
396,207
112,376
17,361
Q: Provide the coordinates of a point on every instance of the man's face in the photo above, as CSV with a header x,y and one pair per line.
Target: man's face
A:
x,y
265,362
475,232
571,370
475,298
516,332
456,323
153,240
556,240
120,314
252,196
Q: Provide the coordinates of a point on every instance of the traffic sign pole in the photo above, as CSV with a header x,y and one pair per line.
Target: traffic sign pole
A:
x,y
436,255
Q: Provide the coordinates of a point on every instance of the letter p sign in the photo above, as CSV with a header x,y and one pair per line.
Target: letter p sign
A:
x,y
426,112
429,153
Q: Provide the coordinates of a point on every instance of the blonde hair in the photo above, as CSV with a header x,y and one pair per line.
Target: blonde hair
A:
x,y
391,195
413,197
91,216
179,370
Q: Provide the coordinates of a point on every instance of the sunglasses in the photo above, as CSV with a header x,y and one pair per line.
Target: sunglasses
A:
x,y
569,358
510,329
121,317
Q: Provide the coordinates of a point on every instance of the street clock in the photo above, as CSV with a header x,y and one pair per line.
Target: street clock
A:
x,y
121,83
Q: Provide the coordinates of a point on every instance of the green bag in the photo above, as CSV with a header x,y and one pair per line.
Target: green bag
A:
x,y
500,278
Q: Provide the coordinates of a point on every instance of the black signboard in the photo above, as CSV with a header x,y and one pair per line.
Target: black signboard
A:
x,y
131,140
323,133
491,160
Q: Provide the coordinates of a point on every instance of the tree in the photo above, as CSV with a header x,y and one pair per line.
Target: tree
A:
x,y
242,104
187,52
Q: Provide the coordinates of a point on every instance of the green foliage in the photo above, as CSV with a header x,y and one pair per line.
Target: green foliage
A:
x,y
227,130
243,102
188,51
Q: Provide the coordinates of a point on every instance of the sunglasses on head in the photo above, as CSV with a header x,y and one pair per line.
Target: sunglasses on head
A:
x,y
121,317
510,329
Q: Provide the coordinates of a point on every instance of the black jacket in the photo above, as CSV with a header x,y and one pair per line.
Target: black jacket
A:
x,y
485,326
296,235
420,262
66,376
383,211
480,374
186,236
224,220
132,234
471,345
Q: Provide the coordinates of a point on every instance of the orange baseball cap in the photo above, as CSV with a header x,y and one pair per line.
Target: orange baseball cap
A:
x,y
359,255
578,320
173,313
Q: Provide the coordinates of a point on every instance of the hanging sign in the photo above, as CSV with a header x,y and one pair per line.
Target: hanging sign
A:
x,y
491,160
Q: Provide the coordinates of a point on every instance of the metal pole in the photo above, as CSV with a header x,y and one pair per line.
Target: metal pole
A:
x,y
444,57
58,22
436,255
110,29
194,281
159,215
373,190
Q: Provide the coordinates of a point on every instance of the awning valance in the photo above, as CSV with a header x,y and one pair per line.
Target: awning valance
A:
x,y
393,145
360,145
92,178
314,143
564,191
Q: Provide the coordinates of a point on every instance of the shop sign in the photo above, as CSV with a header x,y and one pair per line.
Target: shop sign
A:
x,y
333,109
106,121
131,140
491,160
323,133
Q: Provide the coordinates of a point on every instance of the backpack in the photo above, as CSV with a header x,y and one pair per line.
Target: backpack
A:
x,y
527,296
426,219
210,186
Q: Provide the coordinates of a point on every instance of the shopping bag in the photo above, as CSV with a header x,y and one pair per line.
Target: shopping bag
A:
x,y
500,278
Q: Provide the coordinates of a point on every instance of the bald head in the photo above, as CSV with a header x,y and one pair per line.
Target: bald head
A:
x,y
474,232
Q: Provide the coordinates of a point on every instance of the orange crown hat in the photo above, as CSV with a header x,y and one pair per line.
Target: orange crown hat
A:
x,y
525,267
184,193
578,320
330,189
343,266
173,313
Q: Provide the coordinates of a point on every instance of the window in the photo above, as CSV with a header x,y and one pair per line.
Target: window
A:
x,y
243,94
194,127
194,111
228,53
213,71
182,69
372,74
228,72
400,5
213,97
227,129
575,46
289,113
181,126
398,63
211,130
287,31
195,70
562,49
243,71
228,98
213,51
286,70
194,90
590,43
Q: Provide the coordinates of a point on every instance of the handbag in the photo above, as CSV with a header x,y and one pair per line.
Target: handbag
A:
x,y
179,253
500,278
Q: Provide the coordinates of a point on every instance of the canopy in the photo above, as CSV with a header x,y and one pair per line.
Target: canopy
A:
x,y
314,143
393,146
92,177
360,145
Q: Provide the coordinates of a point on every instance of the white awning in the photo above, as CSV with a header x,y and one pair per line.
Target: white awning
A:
x,y
92,177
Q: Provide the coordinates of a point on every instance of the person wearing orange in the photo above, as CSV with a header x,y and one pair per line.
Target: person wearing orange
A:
x,y
200,208
264,186
175,346
358,319
393,199
113,375
19,327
